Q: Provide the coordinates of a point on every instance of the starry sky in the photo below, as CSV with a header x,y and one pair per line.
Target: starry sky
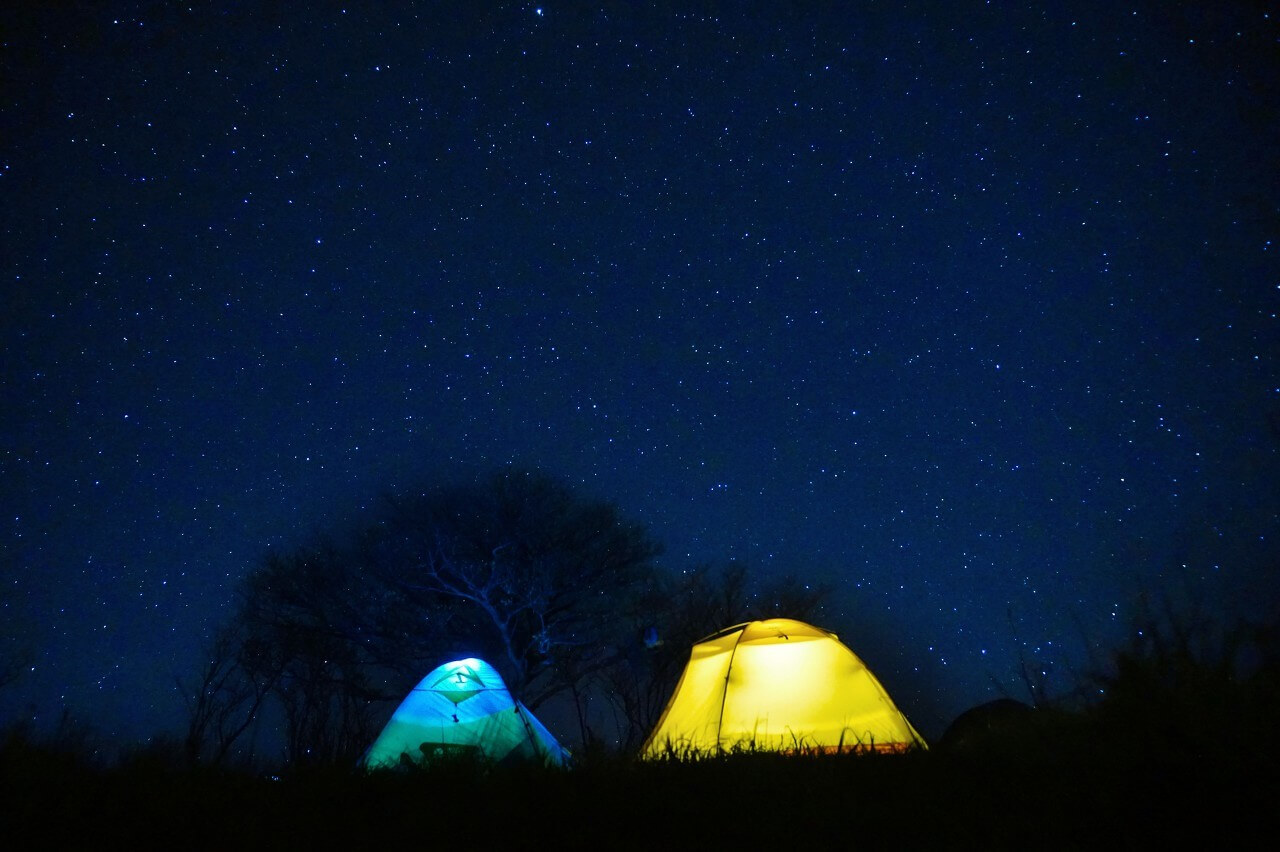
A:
x,y
967,309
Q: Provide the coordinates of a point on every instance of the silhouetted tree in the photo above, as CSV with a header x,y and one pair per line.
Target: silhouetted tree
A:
x,y
540,573
225,700
309,630
516,567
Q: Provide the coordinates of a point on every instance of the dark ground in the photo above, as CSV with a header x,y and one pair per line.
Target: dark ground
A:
x,y
1181,751
1065,788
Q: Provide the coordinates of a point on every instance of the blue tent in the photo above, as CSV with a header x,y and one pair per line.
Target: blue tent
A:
x,y
463,707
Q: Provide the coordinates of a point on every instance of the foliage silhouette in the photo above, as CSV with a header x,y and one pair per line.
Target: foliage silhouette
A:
x,y
516,568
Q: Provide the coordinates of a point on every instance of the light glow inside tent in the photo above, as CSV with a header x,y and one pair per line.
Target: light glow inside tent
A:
x,y
462,706
778,685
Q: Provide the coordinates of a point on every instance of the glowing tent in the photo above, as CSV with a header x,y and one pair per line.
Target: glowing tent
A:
x,y
777,685
462,707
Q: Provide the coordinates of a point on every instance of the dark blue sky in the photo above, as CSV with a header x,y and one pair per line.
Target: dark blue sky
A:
x,y
966,308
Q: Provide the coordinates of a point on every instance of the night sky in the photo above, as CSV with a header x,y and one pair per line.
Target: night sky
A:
x,y
967,309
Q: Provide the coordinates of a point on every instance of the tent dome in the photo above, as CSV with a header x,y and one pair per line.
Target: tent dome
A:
x,y
777,685
462,706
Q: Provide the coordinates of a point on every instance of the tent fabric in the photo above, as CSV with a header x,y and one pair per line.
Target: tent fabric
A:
x,y
463,706
777,685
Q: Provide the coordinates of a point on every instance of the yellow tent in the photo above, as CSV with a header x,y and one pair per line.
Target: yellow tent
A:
x,y
777,685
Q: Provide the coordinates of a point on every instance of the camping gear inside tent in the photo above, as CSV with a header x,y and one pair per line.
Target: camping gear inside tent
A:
x,y
463,707
777,685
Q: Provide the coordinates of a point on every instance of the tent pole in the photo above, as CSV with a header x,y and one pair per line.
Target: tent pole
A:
x,y
724,690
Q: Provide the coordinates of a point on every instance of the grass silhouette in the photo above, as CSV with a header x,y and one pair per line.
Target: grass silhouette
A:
x,y
1179,749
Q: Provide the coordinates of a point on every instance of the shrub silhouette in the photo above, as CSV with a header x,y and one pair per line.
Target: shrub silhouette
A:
x,y
1189,687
